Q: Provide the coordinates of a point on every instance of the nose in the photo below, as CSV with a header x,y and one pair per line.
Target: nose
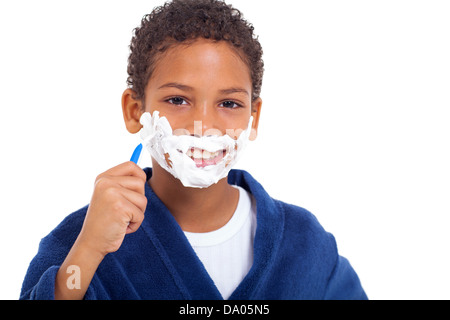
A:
x,y
203,120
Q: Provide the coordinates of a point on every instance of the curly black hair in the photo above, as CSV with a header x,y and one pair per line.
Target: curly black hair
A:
x,y
183,21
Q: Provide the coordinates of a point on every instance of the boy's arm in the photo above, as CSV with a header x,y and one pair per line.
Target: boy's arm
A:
x,y
117,208
42,281
76,272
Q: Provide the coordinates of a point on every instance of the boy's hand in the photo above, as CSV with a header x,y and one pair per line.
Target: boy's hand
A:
x,y
117,208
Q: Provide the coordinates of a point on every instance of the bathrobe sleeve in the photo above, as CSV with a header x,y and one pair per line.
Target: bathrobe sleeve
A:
x,y
344,283
39,282
308,255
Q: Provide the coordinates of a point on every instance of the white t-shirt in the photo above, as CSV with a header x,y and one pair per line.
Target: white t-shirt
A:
x,y
227,253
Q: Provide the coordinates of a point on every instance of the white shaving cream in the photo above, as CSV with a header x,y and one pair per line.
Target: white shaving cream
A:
x,y
157,137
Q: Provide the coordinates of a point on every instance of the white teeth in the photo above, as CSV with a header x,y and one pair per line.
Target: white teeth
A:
x,y
206,154
196,153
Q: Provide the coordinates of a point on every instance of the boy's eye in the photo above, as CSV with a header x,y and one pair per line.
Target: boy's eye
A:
x,y
229,104
177,101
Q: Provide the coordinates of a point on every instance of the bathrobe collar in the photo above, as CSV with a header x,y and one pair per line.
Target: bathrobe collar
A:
x,y
185,267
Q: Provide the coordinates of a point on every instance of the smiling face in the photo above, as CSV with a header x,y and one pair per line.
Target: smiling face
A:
x,y
202,88
203,82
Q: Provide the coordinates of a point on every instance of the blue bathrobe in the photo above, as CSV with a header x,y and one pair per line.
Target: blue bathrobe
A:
x,y
294,258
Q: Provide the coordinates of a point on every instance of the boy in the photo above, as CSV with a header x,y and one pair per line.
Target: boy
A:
x,y
182,229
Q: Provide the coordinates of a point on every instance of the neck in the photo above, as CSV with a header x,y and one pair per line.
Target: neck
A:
x,y
195,209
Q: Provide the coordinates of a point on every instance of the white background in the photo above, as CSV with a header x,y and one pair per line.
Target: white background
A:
x,y
355,125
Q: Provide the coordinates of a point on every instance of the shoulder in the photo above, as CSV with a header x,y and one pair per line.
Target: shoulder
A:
x,y
305,239
317,251
305,225
299,225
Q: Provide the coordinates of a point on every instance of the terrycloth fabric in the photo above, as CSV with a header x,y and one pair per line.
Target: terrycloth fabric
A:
x,y
294,258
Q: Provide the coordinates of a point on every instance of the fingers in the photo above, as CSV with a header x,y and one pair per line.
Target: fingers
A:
x,y
137,199
125,212
126,169
118,190
117,207
128,175
127,182
124,185
134,210
136,216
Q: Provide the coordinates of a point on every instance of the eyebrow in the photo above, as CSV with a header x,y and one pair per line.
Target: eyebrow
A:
x,y
176,85
184,87
234,90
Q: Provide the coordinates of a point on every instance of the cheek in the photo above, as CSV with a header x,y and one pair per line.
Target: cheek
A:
x,y
235,131
235,118
150,106
178,124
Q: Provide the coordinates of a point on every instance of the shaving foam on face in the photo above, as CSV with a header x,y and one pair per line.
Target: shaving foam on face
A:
x,y
173,153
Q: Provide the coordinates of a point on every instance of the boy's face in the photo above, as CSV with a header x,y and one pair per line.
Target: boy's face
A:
x,y
203,88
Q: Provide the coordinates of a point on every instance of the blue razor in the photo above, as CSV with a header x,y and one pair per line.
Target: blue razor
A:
x,y
136,153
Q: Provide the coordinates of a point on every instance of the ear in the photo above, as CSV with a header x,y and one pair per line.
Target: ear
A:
x,y
256,112
132,111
